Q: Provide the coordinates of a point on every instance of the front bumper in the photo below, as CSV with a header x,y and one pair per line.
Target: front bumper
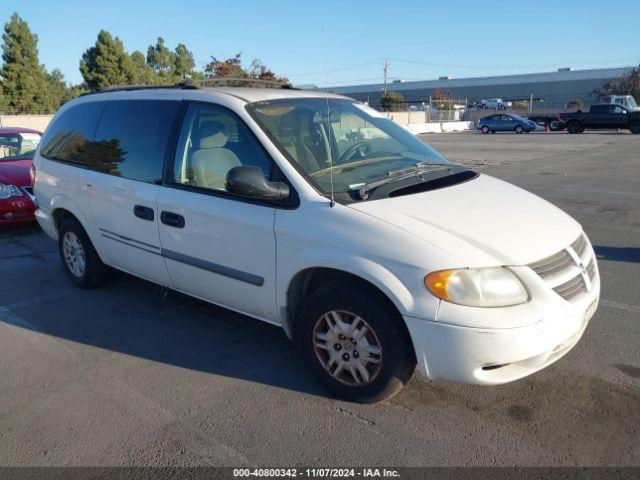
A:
x,y
17,210
499,355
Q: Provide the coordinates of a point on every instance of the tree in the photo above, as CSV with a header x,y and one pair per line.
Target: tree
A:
x,y
442,99
107,64
162,61
575,103
144,74
57,90
24,80
392,102
183,62
628,84
232,68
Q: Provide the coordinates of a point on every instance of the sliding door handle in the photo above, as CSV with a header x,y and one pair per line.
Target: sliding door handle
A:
x,y
172,219
143,212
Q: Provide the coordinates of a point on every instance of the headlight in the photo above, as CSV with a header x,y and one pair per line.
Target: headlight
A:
x,y
7,191
477,287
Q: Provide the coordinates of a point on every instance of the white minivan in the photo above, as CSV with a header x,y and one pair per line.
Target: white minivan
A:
x,y
315,213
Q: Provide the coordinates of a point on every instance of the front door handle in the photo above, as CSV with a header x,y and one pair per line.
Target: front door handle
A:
x,y
172,219
143,212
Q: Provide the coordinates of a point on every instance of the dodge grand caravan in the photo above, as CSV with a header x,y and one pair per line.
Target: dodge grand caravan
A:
x,y
315,213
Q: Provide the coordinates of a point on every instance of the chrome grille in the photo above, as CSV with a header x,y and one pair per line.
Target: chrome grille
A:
x,y
570,271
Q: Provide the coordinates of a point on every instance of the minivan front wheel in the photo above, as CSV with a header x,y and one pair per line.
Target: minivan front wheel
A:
x,y
485,129
79,257
354,342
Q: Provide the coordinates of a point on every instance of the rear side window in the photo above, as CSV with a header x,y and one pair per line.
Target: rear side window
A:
x,y
70,136
132,137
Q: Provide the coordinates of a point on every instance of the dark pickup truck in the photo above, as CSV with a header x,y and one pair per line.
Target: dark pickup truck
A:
x,y
599,117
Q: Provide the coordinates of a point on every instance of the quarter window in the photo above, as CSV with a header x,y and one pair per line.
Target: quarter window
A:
x,y
213,141
68,138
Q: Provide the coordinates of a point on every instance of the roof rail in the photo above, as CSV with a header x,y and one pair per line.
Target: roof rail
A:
x,y
126,88
215,80
193,85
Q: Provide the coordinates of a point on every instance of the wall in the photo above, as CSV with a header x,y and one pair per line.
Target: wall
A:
x,y
36,122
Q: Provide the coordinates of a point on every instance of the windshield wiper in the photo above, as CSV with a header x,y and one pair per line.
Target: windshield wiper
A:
x,y
403,174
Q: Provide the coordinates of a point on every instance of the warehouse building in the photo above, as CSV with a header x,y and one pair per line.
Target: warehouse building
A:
x,y
548,90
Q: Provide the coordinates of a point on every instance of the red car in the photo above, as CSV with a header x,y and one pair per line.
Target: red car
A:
x,y
17,147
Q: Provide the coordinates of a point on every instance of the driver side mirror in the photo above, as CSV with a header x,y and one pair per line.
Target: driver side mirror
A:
x,y
249,181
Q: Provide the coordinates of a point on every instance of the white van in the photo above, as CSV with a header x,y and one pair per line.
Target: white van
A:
x,y
319,215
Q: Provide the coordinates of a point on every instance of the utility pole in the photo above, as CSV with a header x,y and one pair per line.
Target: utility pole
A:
x,y
386,68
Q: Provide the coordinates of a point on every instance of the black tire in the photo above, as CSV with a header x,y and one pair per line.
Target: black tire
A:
x,y
575,127
635,127
484,129
94,272
397,358
519,129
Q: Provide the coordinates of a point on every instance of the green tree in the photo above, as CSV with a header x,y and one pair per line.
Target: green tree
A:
x,y
107,63
628,84
144,74
24,80
57,89
183,62
162,61
392,102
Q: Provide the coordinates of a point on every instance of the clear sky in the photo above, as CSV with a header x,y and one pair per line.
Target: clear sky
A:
x,y
422,39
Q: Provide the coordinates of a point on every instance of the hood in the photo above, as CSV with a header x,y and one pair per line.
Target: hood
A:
x,y
482,222
16,173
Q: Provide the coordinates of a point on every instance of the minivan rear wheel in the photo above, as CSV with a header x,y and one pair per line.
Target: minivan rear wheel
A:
x,y
354,342
79,257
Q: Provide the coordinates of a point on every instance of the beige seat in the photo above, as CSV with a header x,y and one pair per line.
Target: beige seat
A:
x,y
212,161
290,137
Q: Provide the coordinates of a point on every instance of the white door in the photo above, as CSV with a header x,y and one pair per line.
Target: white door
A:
x,y
122,188
218,246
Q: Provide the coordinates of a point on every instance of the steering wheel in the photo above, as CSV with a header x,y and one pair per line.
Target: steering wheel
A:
x,y
362,148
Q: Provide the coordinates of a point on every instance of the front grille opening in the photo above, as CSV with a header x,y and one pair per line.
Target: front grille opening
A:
x,y
553,264
562,264
570,289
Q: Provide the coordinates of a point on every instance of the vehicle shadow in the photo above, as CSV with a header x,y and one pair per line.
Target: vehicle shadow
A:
x,y
137,318
617,254
18,229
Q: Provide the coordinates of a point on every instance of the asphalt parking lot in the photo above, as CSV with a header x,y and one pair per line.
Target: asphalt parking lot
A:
x,y
123,375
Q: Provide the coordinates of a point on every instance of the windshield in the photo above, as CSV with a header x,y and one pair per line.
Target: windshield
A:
x,y
363,145
18,146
